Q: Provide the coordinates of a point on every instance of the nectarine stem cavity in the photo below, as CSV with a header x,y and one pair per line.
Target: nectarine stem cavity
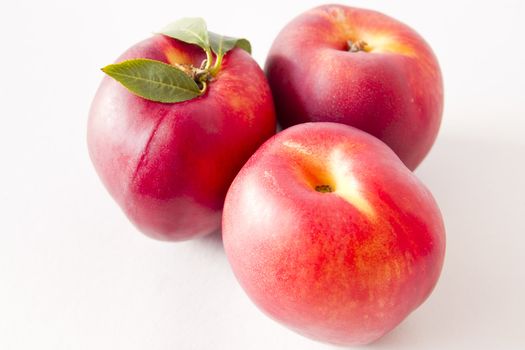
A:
x,y
200,75
356,46
324,188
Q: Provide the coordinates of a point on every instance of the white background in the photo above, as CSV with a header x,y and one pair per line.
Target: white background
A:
x,y
75,274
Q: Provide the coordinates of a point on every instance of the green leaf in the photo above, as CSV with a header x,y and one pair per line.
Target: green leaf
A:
x,y
189,30
154,80
221,44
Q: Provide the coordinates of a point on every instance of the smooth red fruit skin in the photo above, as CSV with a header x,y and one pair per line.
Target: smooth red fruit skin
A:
x,y
343,267
169,165
394,92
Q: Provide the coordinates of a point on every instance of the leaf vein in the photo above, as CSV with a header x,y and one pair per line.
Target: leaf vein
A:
x,y
152,81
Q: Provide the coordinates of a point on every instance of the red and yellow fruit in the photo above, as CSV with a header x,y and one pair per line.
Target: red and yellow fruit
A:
x,y
361,68
330,234
169,165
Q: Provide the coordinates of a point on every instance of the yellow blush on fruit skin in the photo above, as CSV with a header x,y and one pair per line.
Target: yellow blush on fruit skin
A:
x,y
346,184
174,55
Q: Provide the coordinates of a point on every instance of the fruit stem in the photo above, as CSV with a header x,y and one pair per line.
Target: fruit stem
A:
x,y
217,66
200,75
359,45
209,58
205,72
204,87
324,188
